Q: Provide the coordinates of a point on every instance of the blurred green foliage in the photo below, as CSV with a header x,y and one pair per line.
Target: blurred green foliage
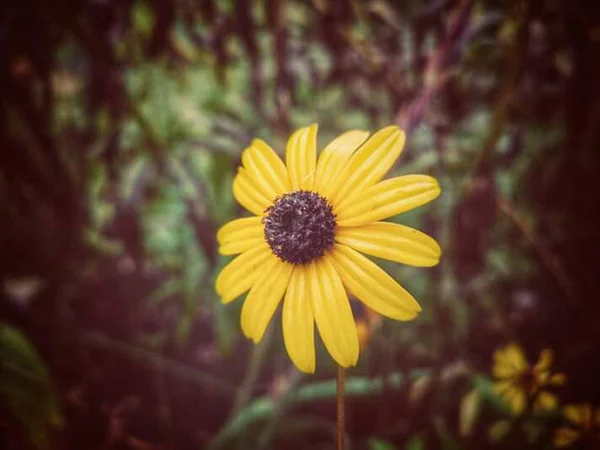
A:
x,y
125,122
26,387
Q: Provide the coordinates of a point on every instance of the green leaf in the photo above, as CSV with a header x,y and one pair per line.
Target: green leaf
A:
x,y
262,408
484,385
415,443
470,406
226,327
26,388
498,430
378,444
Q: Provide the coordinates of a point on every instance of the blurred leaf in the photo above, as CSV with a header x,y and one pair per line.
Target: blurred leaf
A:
x,y
415,443
533,431
379,444
184,327
447,441
132,178
470,406
386,13
143,18
226,327
484,386
165,290
25,386
498,430
264,407
418,390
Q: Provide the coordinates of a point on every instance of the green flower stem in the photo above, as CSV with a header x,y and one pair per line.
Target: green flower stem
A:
x,y
255,364
341,434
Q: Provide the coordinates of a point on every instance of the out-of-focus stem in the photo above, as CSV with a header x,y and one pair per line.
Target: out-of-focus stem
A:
x,y
257,359
341,429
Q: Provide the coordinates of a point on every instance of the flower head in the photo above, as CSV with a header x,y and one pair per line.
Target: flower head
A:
x,y
584,425
312,220
520,383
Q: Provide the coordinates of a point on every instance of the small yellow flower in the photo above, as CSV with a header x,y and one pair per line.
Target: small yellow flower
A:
x,y
584,425
520,383
311,220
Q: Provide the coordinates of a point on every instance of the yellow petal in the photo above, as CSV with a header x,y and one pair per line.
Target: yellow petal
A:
x,y
248,194
392,241
239,246
333,158
558,379
516,357
387,198
368,164
332,312
545,401
375,288
264,297
301,158
565,436
501,387
518,401
265,166
580,414
244,228
575,413
545,361
298,323
240,274
508,363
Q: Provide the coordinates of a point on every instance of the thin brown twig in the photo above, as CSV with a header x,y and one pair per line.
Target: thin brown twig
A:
x,y
436,73
548,258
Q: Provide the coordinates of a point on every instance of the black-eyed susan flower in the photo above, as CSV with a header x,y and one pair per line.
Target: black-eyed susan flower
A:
x,y
312,220
584,426
520,383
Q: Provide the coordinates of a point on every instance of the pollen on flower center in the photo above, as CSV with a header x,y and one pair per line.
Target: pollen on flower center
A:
x,y
299,227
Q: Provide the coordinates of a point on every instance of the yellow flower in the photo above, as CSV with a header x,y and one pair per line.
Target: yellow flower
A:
x,y
584,425
519,383
311,220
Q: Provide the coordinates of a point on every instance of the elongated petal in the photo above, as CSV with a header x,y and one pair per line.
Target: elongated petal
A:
x,y
558,379
240,274
579,414
368,164
334,157
240,246
238,229
370,284
545,361
392,241
332,312
518,401
298,323
263,298
265,166
545,401
502,387
240,235
301,158
509,362
387,198
566,436
248,194
515,356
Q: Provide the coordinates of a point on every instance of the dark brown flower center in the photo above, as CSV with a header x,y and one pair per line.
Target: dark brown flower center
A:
x,y
528,380
299,227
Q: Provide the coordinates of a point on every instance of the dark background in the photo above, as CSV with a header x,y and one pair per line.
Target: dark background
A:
x,y
122,123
